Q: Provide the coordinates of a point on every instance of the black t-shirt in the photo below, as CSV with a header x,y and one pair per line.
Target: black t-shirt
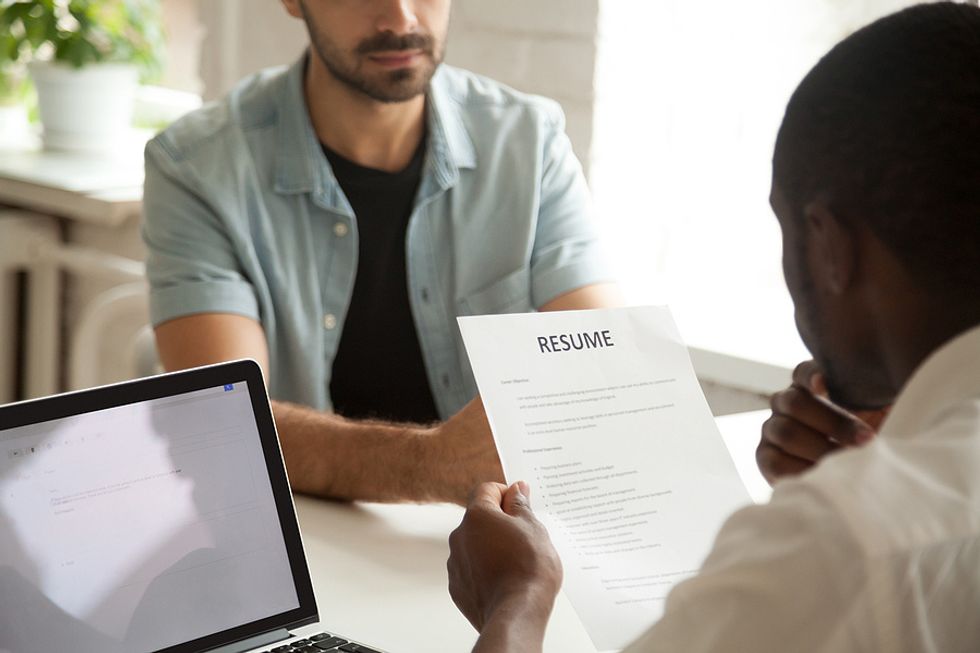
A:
x,y
378,371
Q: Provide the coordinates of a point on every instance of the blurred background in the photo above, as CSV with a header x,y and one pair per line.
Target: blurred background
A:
x,y
672,108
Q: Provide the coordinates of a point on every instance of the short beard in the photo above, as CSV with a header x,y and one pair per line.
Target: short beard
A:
x,y
395,86
854,385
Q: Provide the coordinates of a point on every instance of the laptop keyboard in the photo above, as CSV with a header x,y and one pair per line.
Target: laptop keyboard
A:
x,y
322,642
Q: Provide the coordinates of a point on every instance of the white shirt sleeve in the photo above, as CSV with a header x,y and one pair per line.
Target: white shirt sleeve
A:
x,y
783,576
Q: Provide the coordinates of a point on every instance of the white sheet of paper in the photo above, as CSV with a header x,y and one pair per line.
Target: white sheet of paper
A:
x,y
601,413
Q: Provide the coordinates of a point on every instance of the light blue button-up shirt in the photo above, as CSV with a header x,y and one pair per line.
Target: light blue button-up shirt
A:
x,y
242,214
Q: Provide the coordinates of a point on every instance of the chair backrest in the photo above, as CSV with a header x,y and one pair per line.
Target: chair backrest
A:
x,y
135,356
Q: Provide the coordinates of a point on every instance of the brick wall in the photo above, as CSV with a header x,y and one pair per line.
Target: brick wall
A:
x,y
242,37
539,46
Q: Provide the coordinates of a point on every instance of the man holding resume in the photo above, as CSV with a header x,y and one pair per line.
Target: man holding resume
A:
x,y
876,186
630,516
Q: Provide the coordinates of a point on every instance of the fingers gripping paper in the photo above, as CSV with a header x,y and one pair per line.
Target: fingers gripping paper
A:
x,y
600,411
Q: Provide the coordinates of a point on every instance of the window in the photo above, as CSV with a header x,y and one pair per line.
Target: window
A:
x,y
689,98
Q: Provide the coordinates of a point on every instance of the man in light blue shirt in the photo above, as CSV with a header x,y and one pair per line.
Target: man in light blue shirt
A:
x,y
274,233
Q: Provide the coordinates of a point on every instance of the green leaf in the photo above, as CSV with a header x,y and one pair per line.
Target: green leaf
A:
x,y
37,30
84,31
16,11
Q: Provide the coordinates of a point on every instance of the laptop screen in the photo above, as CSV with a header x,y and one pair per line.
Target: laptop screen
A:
x,y
143,526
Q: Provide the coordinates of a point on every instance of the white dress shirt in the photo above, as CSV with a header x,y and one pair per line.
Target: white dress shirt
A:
x,y
875,549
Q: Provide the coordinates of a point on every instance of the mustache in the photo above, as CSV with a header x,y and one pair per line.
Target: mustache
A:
x,y
391,42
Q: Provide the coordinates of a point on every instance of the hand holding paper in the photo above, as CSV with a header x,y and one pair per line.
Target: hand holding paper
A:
x,y
601,413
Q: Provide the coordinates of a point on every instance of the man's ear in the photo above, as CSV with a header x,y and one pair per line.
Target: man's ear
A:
x,y
832,248
292,6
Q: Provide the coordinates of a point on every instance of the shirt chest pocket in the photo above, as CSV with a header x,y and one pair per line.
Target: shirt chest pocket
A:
x,y
508,294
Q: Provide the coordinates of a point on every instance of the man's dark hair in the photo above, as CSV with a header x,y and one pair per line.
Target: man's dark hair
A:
x,y
886,130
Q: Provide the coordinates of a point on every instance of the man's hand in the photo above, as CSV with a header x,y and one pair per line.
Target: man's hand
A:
x,y
805,426
504,573
384,461
465,445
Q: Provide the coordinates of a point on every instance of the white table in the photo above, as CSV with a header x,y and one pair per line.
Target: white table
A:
x,y
380,570
104,189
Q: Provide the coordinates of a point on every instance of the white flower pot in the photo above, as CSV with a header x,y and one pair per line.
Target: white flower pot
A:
x,y
84,109
14,127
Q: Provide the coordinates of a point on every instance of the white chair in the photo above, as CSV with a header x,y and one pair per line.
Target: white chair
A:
x,y
135,355
31,244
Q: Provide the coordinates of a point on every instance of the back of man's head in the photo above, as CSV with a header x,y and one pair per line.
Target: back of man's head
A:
x,y
886,131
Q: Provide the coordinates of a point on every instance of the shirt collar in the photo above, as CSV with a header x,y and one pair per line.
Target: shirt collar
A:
x,y
448,137
297,148
947,377
301,166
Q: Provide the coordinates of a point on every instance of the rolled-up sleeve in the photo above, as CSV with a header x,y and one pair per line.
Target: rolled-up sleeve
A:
x,y
192,264
567,250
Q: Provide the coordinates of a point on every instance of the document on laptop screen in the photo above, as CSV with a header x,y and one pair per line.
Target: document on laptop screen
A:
x,y
138,527
601,413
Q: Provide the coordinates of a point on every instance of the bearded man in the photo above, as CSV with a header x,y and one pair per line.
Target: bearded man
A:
x,y
331,220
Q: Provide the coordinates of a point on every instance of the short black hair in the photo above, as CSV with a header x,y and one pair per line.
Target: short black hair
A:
x,y
886,130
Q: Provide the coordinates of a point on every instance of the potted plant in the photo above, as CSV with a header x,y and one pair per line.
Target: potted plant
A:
x,y
86,58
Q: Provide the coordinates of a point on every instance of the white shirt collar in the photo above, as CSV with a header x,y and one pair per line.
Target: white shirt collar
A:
x,y
946,377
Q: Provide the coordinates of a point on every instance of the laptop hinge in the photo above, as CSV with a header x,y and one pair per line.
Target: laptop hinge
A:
x,y
253,642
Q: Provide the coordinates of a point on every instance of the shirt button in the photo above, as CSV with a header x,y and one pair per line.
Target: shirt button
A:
x,y
329,321
340,229
445,380
425,294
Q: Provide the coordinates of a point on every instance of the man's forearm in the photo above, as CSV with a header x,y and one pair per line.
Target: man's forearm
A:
x,y
330,456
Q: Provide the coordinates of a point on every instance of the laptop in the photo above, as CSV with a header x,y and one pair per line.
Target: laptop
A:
x,y
153,516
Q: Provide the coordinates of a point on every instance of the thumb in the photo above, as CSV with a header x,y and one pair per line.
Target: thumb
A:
x,y
516,499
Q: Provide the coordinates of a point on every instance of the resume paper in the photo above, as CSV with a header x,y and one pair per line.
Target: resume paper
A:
x,y
601,413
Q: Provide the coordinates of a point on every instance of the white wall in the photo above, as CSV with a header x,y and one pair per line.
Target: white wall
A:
x,y
182,25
